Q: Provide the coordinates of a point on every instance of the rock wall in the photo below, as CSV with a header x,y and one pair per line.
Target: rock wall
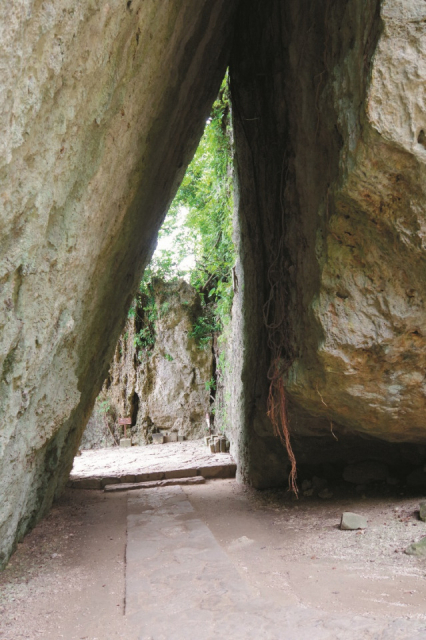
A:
x,y
161,387
102,105
328,102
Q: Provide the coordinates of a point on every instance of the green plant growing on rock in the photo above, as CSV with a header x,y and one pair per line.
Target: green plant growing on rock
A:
x,y
206,193
145,312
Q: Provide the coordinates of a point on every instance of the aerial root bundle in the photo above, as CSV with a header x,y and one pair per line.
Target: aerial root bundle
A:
x,y
277,413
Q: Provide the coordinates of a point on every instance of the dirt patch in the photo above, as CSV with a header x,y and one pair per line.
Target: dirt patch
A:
x,y
294,551
66,579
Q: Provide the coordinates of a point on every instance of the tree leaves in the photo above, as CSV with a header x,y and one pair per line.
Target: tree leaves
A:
x,y
198,225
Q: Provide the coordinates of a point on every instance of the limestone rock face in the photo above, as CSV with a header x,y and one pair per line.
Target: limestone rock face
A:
x,y
101,107
370,307
331,163
162,387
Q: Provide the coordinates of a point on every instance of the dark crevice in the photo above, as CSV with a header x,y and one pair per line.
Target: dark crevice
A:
x,y
134,408
421,138
214,382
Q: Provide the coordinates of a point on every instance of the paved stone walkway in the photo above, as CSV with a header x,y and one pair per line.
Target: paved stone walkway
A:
x,y
181,585
101,467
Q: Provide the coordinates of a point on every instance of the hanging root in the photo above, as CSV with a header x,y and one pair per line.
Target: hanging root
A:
x,y
279,342
277,412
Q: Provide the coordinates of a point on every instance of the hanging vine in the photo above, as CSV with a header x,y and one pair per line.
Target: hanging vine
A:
x,y
274,313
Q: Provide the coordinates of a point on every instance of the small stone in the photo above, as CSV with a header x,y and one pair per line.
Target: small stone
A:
x,y
325,494
125,442
422,512
306,484
157,438
308,493
417,548
212,447
351,521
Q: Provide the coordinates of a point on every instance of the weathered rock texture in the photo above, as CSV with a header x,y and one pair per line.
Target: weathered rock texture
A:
x,y
162,388
102,105
329,103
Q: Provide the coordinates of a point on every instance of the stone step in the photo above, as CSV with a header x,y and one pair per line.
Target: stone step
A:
x,y
100,482
126,486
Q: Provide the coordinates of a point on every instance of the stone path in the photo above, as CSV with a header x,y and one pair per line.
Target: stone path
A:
x,y
181,585
98,468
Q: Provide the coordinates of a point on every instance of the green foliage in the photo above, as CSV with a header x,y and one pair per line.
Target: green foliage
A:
x,y
144,310
103,407
210,385
168,357
144,338
199,226
197,233
206,194
164,308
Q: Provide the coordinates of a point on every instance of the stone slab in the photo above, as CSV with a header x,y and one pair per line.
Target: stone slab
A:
x,y
148,464
209,472
150,476
127,478
352,521
140,460
86,483
181,473
157,438
109,480
422,511
151,485
125,442
218,471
